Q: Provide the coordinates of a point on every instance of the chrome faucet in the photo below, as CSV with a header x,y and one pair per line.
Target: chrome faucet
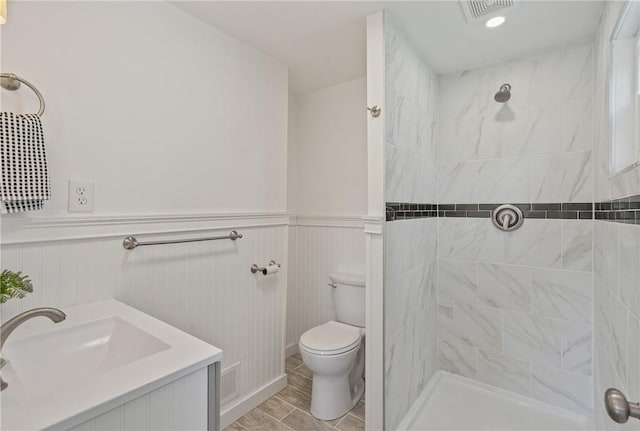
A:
x,y
8,327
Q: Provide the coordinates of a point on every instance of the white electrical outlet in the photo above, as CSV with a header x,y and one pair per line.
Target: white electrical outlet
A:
x,y
81,196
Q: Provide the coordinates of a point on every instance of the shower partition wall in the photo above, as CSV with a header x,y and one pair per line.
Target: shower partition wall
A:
x,y
410,268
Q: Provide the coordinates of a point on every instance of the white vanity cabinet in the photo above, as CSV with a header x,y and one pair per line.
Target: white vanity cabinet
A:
x,y
108,367
187,404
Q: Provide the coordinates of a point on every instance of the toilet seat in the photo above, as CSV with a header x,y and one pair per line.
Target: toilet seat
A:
x,y
331,338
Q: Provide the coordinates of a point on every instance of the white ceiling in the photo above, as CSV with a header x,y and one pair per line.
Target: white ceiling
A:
x,y
440,30
324,42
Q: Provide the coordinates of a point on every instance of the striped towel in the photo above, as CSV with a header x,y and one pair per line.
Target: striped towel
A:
x,y
25,180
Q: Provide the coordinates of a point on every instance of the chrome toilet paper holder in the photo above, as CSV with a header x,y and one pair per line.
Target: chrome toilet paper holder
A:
x,y
263,269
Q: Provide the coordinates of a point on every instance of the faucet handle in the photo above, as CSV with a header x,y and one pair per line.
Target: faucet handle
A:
x,y
3,384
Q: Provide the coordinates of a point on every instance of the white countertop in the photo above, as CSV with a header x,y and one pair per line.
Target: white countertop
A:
x,y
82,398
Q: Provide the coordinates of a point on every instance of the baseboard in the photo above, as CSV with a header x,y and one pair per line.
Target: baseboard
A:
x,y
243,406
291,349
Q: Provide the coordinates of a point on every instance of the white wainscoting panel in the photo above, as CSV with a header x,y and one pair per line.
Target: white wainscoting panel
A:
x,y
319,251
203,288
206,289
64,273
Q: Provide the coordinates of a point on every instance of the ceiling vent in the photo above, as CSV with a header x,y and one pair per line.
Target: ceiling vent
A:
x,y
476,10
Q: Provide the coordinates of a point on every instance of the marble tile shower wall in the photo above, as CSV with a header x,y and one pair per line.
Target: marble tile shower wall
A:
x,y
410,246
535,148
411,88
616,257
410,306
515,309
617,316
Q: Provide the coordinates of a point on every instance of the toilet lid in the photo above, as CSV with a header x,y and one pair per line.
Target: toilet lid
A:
x,y
331,338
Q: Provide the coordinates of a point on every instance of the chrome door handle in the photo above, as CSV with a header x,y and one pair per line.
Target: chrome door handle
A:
x,y
333,285
618,408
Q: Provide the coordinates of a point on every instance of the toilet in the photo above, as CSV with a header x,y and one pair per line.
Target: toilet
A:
x,y
334,351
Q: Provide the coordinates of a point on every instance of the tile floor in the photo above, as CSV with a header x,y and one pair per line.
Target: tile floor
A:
x,y
289,409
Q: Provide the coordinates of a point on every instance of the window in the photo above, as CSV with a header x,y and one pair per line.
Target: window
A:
x,y
625,90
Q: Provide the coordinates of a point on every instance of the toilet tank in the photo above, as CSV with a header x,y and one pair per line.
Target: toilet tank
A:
x,y
349,297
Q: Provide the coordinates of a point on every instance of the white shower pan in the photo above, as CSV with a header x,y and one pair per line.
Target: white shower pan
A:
x,y
451,402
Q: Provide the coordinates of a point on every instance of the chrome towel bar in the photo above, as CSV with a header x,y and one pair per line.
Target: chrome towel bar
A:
x,y
131,242
11,81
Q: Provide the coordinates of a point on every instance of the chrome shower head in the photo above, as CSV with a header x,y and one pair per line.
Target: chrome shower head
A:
x,y
504,94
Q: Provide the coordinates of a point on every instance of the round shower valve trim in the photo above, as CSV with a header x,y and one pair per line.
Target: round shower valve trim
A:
x,y
507,217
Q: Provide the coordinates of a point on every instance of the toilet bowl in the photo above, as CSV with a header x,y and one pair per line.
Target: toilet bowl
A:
x,y
334,352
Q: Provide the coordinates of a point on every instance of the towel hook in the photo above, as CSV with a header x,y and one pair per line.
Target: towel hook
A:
x,y
11,82
375,111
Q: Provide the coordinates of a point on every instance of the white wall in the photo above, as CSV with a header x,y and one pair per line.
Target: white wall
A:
x,y
165,113
332,151
327,195
292,155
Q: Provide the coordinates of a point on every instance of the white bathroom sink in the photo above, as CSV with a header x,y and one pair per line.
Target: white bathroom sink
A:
x,y
102,355
47,362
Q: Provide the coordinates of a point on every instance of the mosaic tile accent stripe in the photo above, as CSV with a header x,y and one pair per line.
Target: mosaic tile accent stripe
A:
x,y
404,211
624,210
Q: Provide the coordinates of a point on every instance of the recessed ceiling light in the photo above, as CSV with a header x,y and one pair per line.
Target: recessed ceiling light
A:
x,y
495,21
